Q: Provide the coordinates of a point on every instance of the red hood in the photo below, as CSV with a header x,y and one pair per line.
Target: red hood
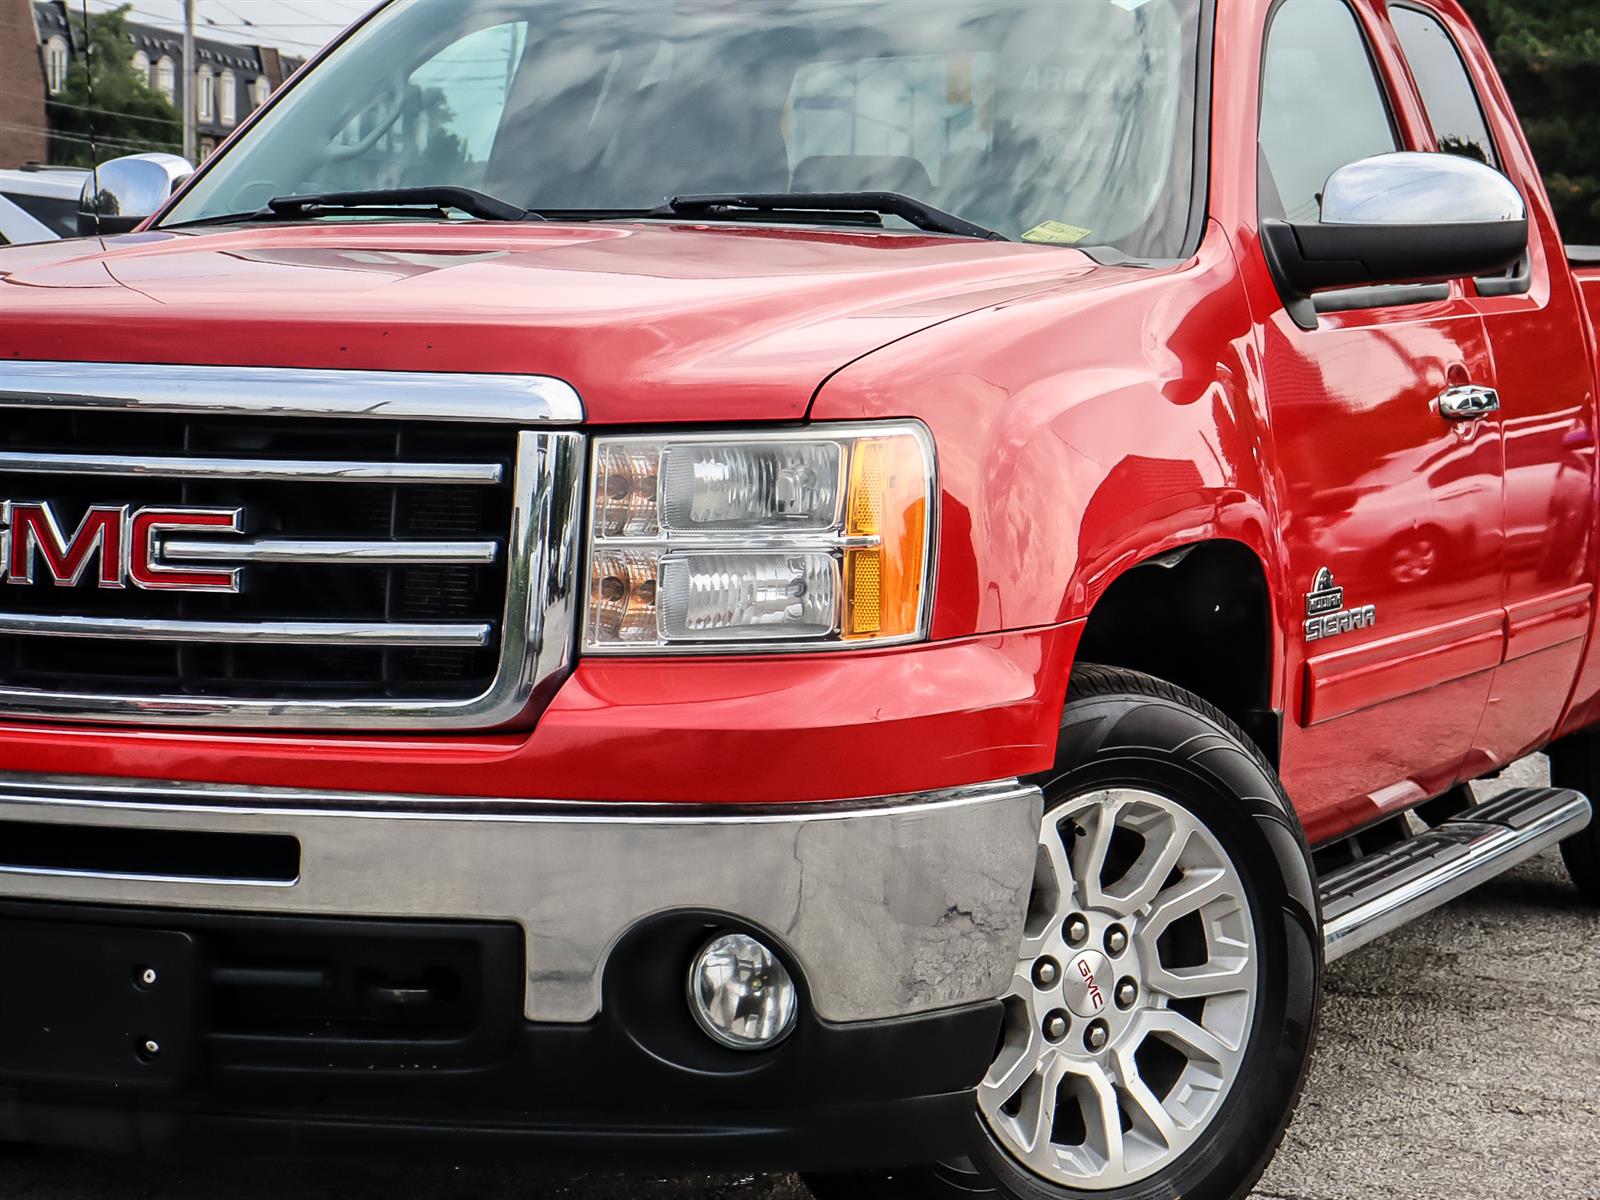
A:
x,y
649,323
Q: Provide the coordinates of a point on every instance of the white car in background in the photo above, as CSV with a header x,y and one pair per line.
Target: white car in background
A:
x,y
39,204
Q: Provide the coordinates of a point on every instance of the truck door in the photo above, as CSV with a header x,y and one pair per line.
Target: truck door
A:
x,y
1391,513
1543,381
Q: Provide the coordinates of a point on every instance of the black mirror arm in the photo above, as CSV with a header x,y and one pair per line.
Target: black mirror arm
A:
x,y
1312,257
1286,261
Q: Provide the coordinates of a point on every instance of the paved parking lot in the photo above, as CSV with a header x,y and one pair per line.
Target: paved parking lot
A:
x,y
1458,1060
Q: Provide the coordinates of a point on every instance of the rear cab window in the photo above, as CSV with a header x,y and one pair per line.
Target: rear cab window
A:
x,y
1446,89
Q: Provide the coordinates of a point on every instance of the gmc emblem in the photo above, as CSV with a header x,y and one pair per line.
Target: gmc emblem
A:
x,y
122,545
1089,983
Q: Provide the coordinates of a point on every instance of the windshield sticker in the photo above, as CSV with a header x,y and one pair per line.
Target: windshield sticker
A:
x,y
1056,232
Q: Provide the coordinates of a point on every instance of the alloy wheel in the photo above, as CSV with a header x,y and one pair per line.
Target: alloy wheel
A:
x,y
1128,1015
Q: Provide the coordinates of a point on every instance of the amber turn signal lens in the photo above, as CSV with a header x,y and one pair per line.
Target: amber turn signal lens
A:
x,y
888,502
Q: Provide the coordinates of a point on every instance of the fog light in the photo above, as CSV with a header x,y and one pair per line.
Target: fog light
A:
x,y
740,993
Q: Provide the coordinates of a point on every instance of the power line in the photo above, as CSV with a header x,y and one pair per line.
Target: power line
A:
x,y
108,112
295,8
175,26
118,143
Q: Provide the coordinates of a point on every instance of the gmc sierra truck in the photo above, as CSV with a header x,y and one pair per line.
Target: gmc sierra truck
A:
x,y
870,588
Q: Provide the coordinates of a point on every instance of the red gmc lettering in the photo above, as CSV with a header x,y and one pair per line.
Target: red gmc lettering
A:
x,y
1094,990
125,542
147,571
34,526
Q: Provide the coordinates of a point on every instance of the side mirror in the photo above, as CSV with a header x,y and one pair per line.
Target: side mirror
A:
x,y
1398,218
121,193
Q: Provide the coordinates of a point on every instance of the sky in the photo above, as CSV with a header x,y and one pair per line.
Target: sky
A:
x,y
294,26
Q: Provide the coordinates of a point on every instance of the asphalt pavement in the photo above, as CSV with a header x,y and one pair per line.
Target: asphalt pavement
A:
x,y
1458,1060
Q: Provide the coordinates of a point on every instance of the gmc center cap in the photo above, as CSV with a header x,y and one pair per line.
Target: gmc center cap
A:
x,y
1087,986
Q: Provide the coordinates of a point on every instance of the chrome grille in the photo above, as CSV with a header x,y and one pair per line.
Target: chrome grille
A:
x,y
406,562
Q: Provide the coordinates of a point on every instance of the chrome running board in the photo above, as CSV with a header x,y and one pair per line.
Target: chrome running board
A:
x,y
1386,889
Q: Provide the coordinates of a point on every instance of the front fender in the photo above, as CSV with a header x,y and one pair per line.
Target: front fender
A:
x,y
1081,431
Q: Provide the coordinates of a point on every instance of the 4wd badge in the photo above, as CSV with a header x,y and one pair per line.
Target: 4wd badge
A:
x,y
1326,614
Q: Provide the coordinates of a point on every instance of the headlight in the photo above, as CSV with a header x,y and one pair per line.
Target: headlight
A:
x,y
778,541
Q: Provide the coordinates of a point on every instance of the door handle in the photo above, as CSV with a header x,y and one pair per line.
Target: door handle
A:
x,y
1468,403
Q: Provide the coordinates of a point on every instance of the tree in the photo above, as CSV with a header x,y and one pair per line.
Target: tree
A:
x,y
116,111
1548,52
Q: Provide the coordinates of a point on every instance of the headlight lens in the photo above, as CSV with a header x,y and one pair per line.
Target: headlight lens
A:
x,y
773,541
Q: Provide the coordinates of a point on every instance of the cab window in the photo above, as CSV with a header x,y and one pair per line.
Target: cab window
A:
x,y
1321,106
1447,91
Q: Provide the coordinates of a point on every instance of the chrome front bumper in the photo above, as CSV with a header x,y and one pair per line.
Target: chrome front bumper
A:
x,y
890,907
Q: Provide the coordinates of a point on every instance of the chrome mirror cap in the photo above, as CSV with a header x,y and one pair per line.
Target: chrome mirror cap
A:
x,y
121,193
1413,188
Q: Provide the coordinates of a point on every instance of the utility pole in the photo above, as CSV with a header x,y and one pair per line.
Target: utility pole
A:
x,y
190,100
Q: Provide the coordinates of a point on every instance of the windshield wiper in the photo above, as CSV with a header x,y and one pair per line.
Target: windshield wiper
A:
x,y
894,204
462,199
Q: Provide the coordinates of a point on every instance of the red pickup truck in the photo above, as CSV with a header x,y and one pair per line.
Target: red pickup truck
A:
x,y
807,585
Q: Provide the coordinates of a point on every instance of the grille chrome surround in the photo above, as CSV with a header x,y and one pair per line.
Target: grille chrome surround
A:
x,y
541,552
535,400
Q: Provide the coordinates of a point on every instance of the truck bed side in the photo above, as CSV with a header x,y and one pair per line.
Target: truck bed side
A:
x,y
1585,262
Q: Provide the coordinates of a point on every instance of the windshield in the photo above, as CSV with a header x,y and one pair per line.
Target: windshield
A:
x,y
1070,122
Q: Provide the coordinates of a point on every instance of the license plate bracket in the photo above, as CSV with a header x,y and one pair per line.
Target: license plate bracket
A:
x,y
76,1004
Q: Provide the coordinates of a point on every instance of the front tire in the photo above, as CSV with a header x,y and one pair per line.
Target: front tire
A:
x,y
1160,1020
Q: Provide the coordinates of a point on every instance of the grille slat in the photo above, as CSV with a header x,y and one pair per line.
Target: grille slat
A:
x,y
279,633
280,470
412,552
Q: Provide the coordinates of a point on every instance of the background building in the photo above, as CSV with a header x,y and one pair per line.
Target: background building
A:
x,y
38,46
23,136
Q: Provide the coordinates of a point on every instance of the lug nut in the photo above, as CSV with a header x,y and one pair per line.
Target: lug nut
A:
x,y
1046,972
1116,940
147,977
152,1048
1077,930
1127,993
1096,1036
1056,1026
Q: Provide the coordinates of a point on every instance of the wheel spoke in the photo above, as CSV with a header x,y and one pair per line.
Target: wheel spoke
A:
x,y
1021,986
1186,1036
1215,978
1052,888
1056,852
1148,875
1102,1118
1010,1070
1196,889
1149,1116
1089,857
1038,1113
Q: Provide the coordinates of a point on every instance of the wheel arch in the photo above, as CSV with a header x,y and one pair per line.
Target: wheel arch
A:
x,y
1199,615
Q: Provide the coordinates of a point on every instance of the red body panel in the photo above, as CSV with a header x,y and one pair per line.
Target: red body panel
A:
x,y
706,731
1087,418
1584,708
650,323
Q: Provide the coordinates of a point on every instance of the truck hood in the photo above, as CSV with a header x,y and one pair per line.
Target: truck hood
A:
x,y
650,322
